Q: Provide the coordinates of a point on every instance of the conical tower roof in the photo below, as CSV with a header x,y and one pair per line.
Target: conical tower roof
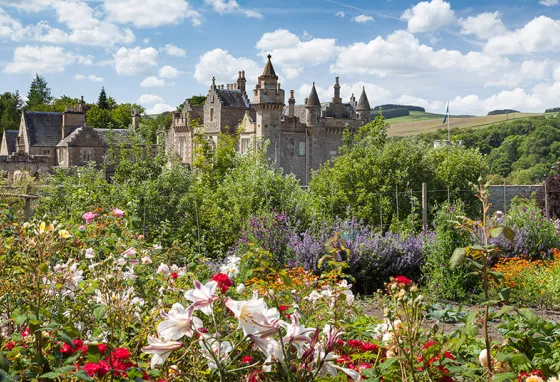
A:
x,y
269,69
313,100
363,103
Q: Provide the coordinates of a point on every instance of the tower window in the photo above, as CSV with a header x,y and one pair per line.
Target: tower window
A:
x,y
301,148
211,114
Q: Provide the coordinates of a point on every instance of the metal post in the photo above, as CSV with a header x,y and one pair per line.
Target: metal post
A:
x,y
547,212
425,207
505,198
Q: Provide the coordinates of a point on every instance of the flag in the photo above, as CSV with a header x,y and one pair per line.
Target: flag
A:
x,y
446,113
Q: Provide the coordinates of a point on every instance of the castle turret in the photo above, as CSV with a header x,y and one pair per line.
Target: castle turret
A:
x,y
135,119
336,98
268,101
241,81
291,104
363,107
312,108
353,102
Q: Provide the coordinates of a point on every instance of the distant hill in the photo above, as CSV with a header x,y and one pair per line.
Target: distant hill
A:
x,y
505,111
393,106
553,110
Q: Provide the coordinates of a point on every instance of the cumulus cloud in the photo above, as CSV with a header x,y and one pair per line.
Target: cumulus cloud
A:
x,y
152,82
340,14
149,99
428,16
91,77
484,25
159,108
10,28
172,50
549,3
43,59
231,6
150,14
168,72
225,67
135,60
402,53
541,34
291,54
528,70
363,19
28,5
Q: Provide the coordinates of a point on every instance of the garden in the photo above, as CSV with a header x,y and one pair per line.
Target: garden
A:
x,y
230,271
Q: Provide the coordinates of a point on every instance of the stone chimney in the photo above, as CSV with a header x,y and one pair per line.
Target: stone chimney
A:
x,y
241,81
337,98
291,104
72,118
135,119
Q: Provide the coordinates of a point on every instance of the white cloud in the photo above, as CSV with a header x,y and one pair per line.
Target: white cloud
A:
x,y
529,70
152,82
429,16
376,94
549,3
75,14
541,34
168,72
91,77
159,108
406,99
172,50
150,14
340,14
363,19
149,99
135,60
484,25
10,28
291,54
225,67
402,53
43,59
231,6
28,5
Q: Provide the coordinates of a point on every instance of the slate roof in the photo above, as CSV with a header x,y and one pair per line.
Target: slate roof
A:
x,y
363,103
313,99
43,128
232,98
326,110
299,111
11,140
115,136
269,69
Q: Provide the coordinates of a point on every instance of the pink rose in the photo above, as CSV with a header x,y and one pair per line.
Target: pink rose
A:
x,y
88,217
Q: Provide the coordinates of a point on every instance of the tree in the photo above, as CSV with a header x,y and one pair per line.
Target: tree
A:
x,y
122,114
100,118
102,102
10,111
39,93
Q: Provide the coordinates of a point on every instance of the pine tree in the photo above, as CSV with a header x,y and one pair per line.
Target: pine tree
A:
x,y
102,102
39,93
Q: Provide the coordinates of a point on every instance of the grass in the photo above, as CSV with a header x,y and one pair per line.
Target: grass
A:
x,y
418,122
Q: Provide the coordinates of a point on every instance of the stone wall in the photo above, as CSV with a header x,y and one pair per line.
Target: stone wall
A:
x,y
501,196
34,164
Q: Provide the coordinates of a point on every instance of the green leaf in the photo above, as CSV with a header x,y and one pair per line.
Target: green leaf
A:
x,y
509,233
458,257
93,354
286,278
504,377
496,232
44,268
4,363
99,312
520,359
496,275
505,310
529,315
82,376
504,294
50,375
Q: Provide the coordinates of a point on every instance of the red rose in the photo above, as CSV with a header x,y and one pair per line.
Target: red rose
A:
x,y
401,280
448,355
102,348
343,359
283,308
354,343
174,275
366,346
92,369
247,359
429,344
363,366
10,345
223,281
121,353
66,349
26,332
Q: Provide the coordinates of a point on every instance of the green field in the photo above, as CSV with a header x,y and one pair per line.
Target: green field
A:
x,y
418,122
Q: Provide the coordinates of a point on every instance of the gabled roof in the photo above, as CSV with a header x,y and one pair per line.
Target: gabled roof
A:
x,y
105,136
363,103
11,140
43,128
232,98
269,69
313,99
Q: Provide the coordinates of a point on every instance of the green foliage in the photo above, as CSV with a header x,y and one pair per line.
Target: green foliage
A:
x,y
102,100
10,111
116,117
198,100
100,118
39,94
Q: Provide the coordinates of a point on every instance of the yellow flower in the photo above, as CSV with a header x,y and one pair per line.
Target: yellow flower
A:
x,y
63,234
42,227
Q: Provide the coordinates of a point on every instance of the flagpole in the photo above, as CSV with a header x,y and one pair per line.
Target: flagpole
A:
x,y
448,123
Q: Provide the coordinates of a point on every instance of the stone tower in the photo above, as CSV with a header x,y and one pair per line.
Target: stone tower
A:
x,y
241,81
363,108
268,100
312,108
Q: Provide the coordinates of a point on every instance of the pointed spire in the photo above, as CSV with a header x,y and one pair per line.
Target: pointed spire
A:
x,y
363,103
313,100
269,69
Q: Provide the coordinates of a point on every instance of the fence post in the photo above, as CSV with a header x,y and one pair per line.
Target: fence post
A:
x,y
547,212
425,207
27,210
505,198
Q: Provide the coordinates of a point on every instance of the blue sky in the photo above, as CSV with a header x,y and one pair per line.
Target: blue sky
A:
x,y
480,55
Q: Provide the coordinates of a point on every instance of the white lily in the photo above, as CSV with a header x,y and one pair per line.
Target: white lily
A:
x,y
221,350
254,316
178,323
271,348
296,334
160,350
202,296
329,366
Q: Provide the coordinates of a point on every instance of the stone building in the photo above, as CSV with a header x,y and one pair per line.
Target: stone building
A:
x,y
300,137
59,139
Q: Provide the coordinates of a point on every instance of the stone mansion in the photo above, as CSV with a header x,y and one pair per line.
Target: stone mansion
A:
x,y
301,137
